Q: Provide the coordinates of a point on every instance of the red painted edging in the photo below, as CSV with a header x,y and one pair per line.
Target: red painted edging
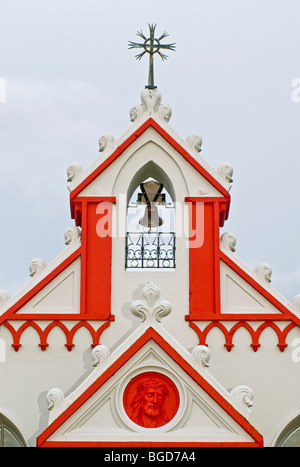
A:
x,y
148,335
149,123
286,314
9,314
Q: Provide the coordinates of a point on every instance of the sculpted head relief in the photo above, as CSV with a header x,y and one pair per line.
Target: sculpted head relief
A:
x,y
151,400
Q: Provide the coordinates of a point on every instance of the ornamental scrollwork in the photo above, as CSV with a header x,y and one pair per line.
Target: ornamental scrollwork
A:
x,y
264,273
243,396
151,104
105,141
100,355
74,171
55,398
36,266
228,241
151,308
194,142
225,172
72,235
201,355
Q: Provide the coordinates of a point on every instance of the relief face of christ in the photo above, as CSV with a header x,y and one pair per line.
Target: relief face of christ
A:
x,y
147,407
151,399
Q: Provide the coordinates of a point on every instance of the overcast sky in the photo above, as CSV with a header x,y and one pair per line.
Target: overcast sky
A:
x,y
70,78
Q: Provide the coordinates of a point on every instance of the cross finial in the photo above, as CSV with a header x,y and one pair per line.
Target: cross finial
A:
x,y
152,46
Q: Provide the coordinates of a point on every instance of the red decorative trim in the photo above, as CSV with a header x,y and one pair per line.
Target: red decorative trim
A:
x,y
254,334
11,314
78,204
95,444
204,261
95,253
95,199
57,317
283,315
95,295
43,334
149,123
243,316
146,337
222,204
203,307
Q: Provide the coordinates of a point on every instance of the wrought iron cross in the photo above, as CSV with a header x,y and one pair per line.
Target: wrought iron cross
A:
x,y
151,46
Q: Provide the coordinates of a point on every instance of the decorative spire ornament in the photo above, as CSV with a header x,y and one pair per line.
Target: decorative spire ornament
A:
x,y
151,46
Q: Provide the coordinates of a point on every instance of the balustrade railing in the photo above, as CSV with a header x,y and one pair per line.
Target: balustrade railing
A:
x,y
154,250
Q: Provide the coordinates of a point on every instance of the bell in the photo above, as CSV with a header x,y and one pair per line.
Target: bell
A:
x,y
151,218
151,193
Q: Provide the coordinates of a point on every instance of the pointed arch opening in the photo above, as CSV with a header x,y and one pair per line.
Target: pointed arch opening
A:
x,y
150,220
10,436
290,435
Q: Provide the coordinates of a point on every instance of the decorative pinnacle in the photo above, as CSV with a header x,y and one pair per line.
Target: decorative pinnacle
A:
x,y
151,46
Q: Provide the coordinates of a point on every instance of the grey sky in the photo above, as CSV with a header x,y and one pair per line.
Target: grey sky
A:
x,y
70,78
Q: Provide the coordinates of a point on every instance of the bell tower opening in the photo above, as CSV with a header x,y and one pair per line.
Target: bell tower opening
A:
x,y
150,225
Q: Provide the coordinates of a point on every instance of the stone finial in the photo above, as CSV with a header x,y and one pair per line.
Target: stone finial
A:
x,y
201,355
264,273
151,105
105,141
36,266
55,398
225,171
100,354
243,396
73,171
228,241
194,142
72,234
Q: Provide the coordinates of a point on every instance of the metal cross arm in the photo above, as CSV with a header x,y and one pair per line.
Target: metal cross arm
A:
x,y
151,45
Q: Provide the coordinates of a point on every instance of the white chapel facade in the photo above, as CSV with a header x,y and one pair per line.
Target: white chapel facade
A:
x,y
148,330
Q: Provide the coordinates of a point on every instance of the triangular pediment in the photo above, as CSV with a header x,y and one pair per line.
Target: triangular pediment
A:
x,y
104,409
246,293
238,296
61,295
54,290
151,127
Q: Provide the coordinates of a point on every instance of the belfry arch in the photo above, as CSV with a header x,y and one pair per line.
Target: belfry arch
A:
x,y
150,220
290,434
10,435
152,160
151,170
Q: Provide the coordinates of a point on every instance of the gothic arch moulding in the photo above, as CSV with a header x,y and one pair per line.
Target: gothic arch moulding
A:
x,y
289,435
151,169
151,160
10,435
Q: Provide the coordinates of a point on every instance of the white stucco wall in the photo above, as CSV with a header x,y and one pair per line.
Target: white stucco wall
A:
x,y
26,376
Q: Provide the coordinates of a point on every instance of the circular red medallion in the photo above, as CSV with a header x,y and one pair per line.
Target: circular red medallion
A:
x,y
151,399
